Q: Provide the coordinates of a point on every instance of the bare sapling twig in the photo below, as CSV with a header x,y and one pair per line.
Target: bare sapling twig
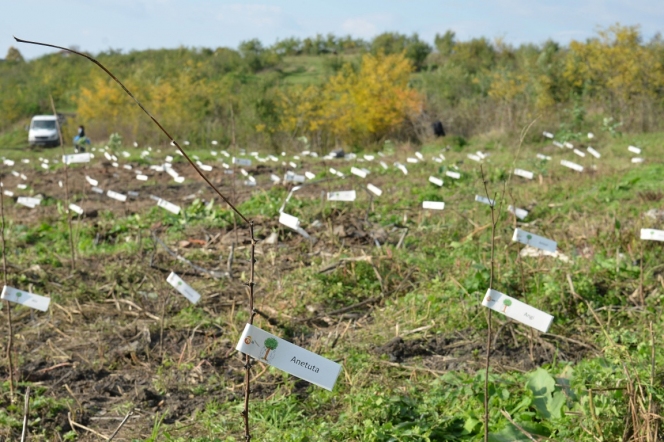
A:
x,y
250,284
487,364
117,430
67,211
26,411
10,327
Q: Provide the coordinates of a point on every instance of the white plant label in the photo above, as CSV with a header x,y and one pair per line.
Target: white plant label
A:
x,y
520,213
591,135
433,205
593,152
281,354
383,165
9,193
76,158
28,201
116,195
310,175
375,190
185,289
634,149
437,181
530,239
205,168
517,310
96,189
548,135
274,178
142,177
558,144
652,234
22,186
572,165
359,172
411,160
637,160
242,162
484,200
168,206
402,168
543,157
344,195
289,220
8,162
474,157
27,299
75,208
524,173
179,179
419,156
455,175
568,145
291,177
579,153
369,157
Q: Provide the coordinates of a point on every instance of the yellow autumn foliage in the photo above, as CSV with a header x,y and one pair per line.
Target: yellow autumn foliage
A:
x,y
354,107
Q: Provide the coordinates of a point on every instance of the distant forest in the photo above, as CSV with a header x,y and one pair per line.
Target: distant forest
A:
x,y
349,92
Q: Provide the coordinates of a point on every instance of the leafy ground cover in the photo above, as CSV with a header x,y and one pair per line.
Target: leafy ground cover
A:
x,y
389,290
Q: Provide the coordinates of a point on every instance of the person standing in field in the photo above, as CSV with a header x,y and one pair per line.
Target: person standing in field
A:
x,y
80,140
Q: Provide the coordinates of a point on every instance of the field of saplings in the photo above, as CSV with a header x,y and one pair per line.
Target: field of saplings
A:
x,y
406,294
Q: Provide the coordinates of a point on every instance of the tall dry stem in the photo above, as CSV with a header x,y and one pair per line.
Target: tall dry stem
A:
x,y
10,327
67,211
250,224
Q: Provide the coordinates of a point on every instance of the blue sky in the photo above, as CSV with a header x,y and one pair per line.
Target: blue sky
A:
x,y
96,25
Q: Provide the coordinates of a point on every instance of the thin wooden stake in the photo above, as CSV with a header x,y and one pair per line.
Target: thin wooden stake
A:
x,y
62,146
117,430
26,411
10,341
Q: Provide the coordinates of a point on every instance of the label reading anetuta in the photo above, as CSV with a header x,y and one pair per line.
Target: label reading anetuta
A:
x,y
517,310
281,354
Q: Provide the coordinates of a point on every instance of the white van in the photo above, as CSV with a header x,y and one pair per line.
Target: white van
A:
x,y
43,131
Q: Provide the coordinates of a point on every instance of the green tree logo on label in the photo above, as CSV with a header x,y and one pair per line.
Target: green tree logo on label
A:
x,y
506,303
270,344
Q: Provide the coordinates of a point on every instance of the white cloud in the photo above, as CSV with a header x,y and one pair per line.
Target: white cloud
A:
x,y
367,26
359,27
250,14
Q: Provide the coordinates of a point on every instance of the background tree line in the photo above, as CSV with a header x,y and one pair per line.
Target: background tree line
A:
x,y
346,91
